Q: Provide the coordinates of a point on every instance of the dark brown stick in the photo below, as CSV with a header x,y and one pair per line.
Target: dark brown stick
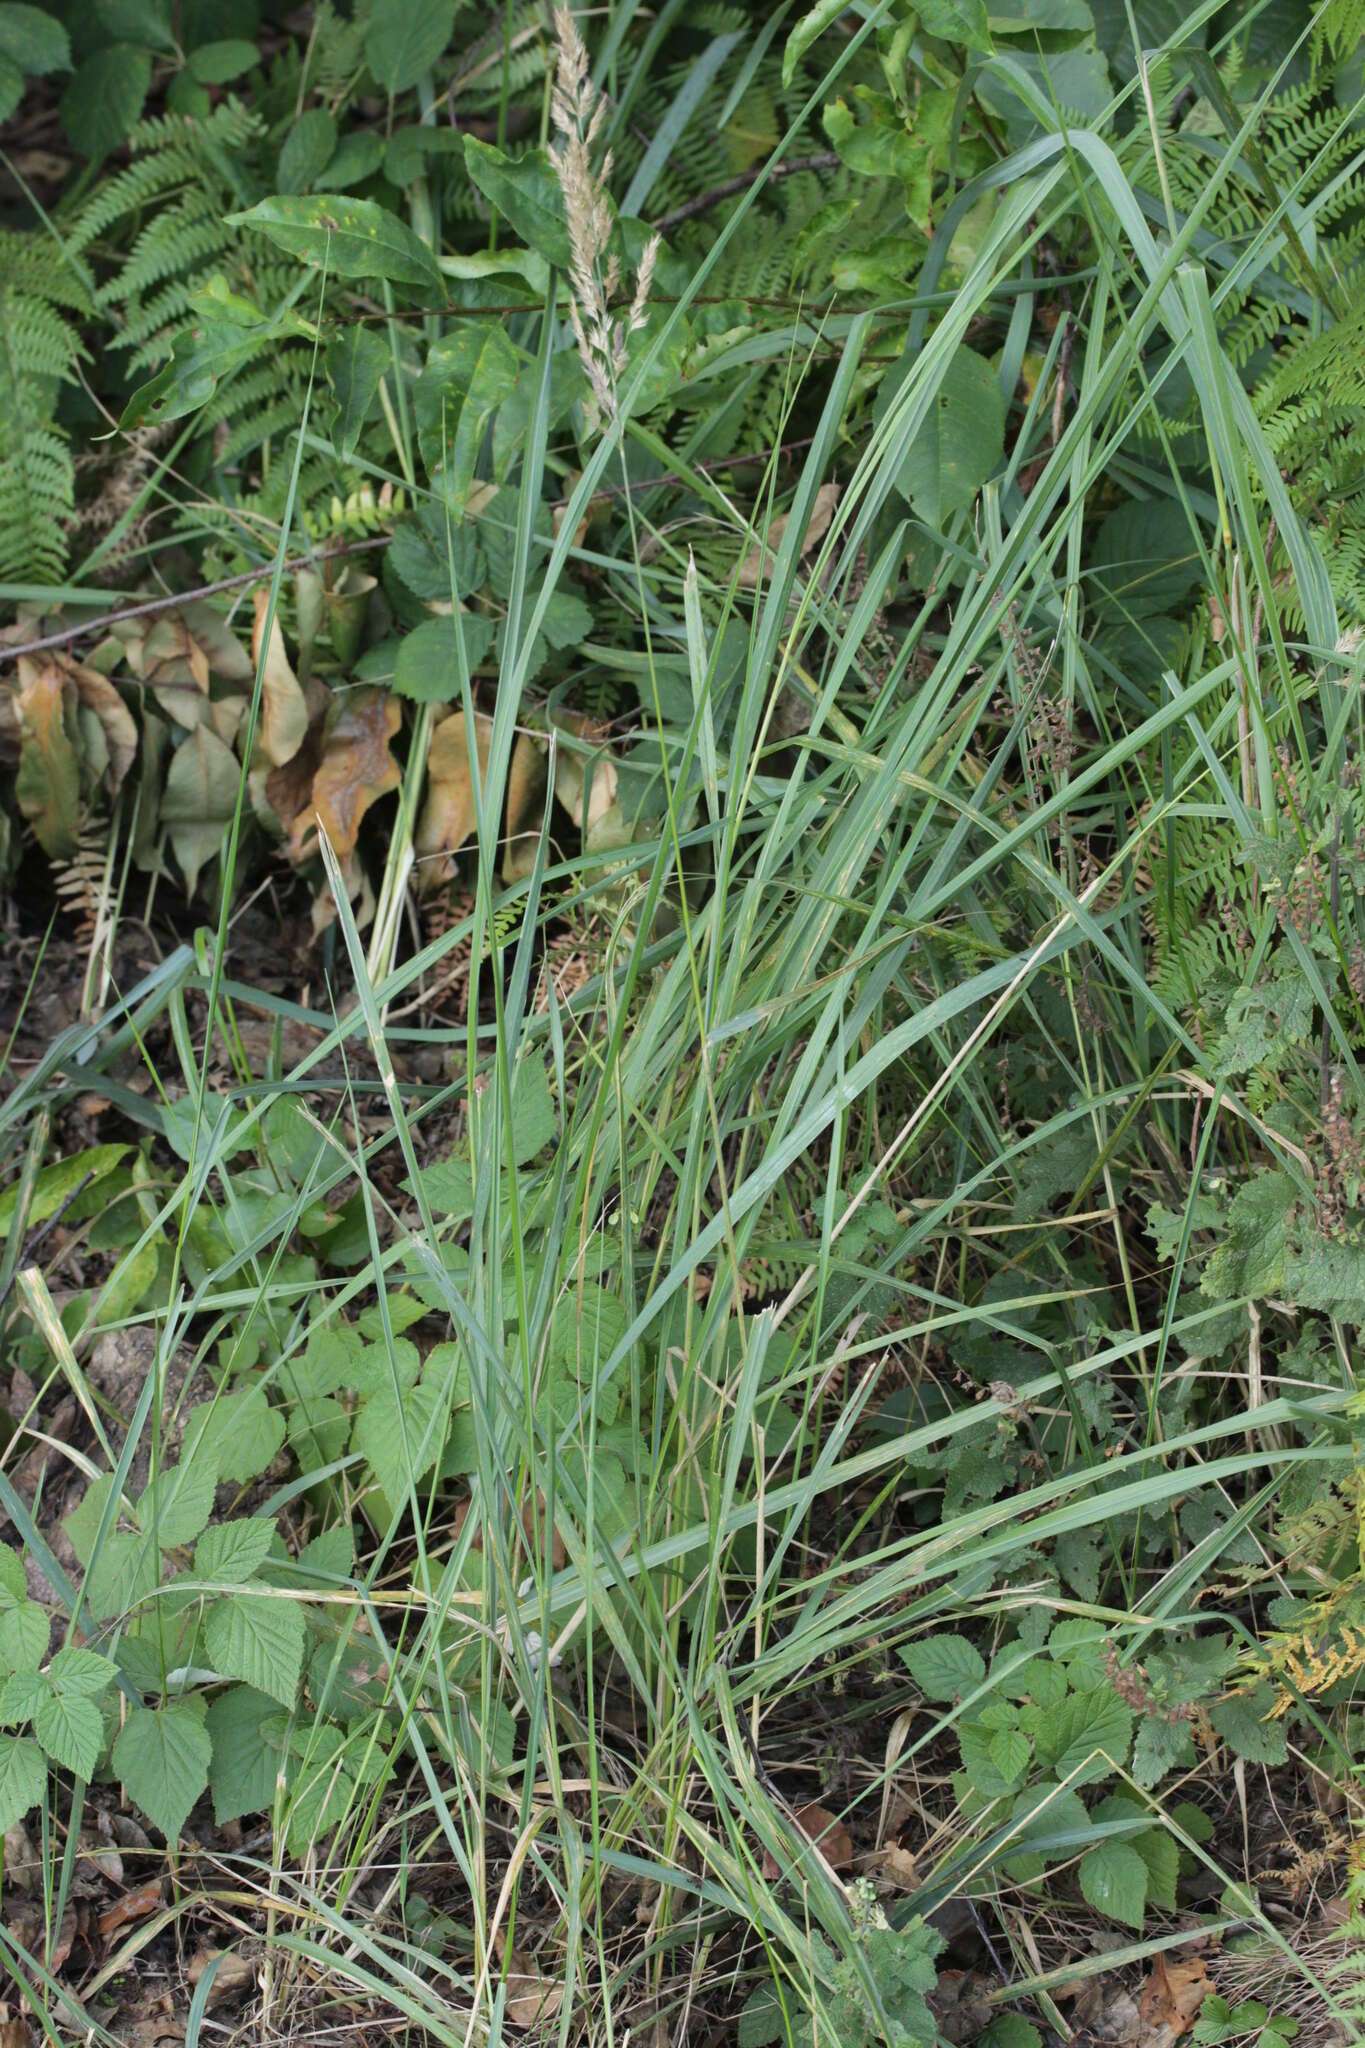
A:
x,y
704,201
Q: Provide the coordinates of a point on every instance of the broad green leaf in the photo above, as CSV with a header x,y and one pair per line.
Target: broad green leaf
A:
x,y
162,1756
944,1667
1244,1724
1113,1879
75,1671
199,798
245,1764
526,193
218,63
534,1125
105,98
467,376
394,1442
122,1575
1010,1752
358,157
56,1183
23,1776
804,34
351,237
71,1731
11,88
13,1583
233,1552
409,149
1161,1746
24,1632
1144,558
958,443
355,360
137,21
308,149
178,1503
260,1639
1010,2030
32,41
403,40
956,21
427,669
1090,1734
238,1433
22,1695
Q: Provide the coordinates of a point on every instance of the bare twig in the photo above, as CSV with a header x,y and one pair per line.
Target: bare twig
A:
x,y
825,160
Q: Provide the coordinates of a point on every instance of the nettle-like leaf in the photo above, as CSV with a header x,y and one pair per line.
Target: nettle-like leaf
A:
x,y
245,1762
162,1756
70,1729
238,1434
23,1776
259,1638
944,1667
233,1552
1113,1879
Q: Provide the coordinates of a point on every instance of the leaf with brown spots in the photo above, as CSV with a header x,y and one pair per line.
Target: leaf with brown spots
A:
x,y
99,697
357,769
284,713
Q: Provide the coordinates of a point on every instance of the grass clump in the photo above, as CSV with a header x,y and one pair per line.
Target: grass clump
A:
x,y
736,1407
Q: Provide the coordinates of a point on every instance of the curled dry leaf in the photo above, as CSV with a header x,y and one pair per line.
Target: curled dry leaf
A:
x,y
234,1976
894,1869
47,787
1171,1998
284,711
356,769
526,778
758,566
826,1831
99,697
530,1997
448,810
134,1905
587,798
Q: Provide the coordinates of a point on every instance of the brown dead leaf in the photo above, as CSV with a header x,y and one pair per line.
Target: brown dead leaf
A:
x,y
356,770
284,711
47,786
15,2033
826,1831
756,568
894,1869
448,809
530,1997
99,697
572,772
134,1905
526,778
234,1977
1171,1998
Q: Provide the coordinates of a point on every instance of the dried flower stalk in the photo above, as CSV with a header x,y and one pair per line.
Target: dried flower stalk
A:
x,y
578,111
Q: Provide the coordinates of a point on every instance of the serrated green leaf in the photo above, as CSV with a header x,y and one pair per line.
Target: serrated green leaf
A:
x,y
21,1696
105,98
383,1429
428,668
245,1762
403,41
71,1731
259,1639
177,1504
1010,2030
161,1754
1010,1751
23,1776
1113,1879
233,1552
81,1673
944,1667
1088,1734
13,1584
238,1434
24,1632
1243,1723
1160,1747
351,237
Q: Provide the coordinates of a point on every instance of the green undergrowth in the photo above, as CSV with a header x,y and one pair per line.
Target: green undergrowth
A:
x,y
843,1332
